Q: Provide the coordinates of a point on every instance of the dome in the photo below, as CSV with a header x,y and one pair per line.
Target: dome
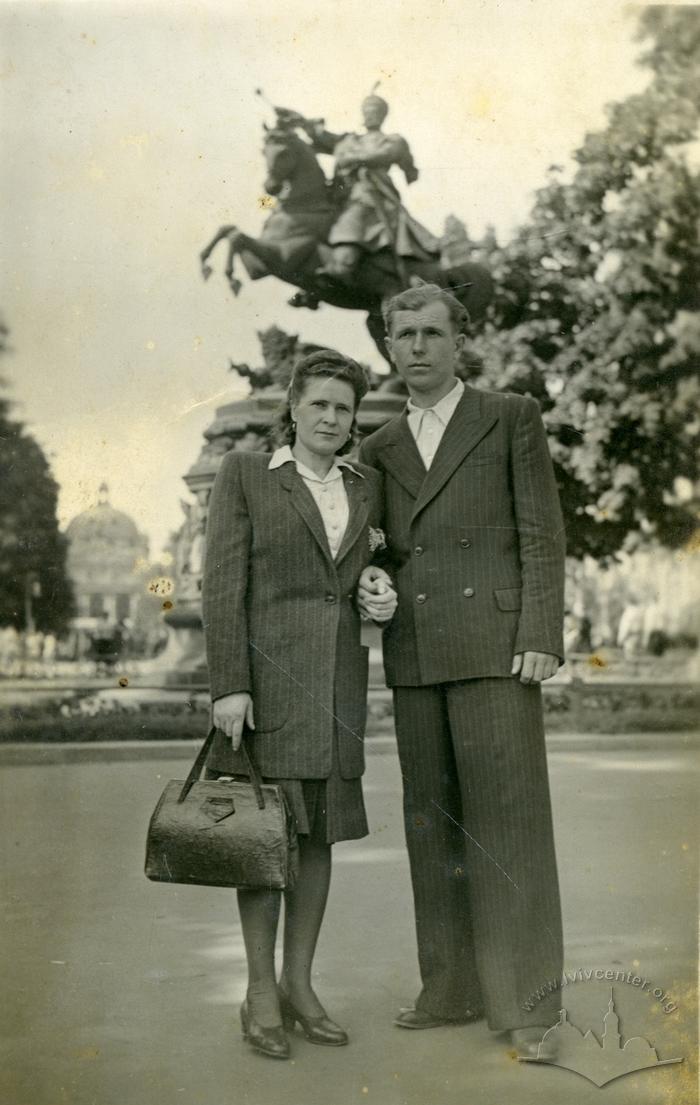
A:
x,y
103,523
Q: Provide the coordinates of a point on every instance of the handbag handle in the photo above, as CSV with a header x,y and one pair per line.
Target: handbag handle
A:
x,y
196,770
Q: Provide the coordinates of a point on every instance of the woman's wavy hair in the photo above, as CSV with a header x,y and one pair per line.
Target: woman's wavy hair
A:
x,y
323,363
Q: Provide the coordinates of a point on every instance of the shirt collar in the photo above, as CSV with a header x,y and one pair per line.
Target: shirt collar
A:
x,y
284,455
444,408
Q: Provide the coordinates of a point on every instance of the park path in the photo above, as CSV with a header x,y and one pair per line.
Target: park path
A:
x,y
122,992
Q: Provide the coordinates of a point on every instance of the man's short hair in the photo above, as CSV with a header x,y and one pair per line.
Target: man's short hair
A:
x,y
412,299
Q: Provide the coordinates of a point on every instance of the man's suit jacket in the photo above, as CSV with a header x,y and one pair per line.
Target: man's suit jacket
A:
x,y
478,542
280,619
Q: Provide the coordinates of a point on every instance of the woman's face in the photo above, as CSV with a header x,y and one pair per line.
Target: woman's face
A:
x,y
324,415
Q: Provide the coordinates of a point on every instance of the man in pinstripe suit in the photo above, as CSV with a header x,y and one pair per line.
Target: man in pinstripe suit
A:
x,y
473,522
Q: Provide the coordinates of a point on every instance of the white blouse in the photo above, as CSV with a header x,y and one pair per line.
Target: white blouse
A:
x,y
328,491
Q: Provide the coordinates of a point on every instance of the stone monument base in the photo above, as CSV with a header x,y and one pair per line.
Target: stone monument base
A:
x,y
183,661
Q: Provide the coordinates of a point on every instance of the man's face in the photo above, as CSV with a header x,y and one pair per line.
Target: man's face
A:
x,y
373,113
423,347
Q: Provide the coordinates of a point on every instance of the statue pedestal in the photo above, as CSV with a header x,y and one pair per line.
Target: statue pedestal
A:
x,y
183,662
242,425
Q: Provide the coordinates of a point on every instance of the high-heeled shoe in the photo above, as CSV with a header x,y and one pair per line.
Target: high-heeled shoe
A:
x,y
318,1030
268,1041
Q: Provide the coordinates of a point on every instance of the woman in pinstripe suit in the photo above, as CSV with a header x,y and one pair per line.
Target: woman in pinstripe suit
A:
x,y
287,539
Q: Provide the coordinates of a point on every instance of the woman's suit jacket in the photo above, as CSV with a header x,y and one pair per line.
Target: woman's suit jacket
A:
x,y
280,619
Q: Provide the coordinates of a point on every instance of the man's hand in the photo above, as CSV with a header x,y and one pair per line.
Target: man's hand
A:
x,y
230,713
376,598
534,667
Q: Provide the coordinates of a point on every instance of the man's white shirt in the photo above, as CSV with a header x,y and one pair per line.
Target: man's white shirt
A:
x,y
429,424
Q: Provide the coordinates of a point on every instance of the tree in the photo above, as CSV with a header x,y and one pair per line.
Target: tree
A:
x,y
33,581
596,311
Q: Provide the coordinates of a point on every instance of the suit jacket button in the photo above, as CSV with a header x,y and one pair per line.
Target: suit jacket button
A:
x,y
466,544
421,598
468,592
418,550
330,598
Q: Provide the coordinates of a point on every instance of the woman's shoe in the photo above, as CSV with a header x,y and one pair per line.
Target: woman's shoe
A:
x,y
268,1041
318,1030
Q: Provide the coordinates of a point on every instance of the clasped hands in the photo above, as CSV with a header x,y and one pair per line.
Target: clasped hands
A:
x,y
376,597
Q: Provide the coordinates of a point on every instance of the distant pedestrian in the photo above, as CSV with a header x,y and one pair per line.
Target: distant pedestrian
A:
x,y
630,631
48,655
106,645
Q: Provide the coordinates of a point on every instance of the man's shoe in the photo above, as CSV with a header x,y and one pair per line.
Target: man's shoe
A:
x,y
528,1043
416,1018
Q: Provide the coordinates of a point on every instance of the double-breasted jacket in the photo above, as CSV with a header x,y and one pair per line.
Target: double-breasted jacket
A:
x,y
478,542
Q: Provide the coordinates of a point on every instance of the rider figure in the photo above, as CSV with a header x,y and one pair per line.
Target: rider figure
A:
x,y
371,216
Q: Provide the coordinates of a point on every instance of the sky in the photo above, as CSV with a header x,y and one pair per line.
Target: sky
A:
x,y
131,131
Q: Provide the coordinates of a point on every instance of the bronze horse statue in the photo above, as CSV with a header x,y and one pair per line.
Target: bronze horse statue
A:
x,y
293,247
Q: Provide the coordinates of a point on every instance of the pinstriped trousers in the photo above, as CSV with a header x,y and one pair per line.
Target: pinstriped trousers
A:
x,y
481,849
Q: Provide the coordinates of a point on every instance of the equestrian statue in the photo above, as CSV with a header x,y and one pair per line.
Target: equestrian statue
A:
x,y
350,241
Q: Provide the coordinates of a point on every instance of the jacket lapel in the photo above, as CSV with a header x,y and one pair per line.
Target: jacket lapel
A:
x,y
401,458
358,512
464,431
303,502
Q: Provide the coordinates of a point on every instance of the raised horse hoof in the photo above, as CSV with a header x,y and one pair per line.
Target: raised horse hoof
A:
x,y
234,284
305,299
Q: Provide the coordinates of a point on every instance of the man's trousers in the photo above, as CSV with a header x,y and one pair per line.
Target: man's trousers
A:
x,y
481,849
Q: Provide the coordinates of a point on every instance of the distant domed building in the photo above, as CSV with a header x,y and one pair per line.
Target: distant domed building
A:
x,y
106,559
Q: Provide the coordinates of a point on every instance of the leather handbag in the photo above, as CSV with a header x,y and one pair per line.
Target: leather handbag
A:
x,y
213,832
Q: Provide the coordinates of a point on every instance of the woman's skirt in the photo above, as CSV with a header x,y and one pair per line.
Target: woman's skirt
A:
x,y
327,810
324,810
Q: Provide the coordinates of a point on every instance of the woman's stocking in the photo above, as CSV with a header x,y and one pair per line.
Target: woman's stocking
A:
x,y
259,910
304,907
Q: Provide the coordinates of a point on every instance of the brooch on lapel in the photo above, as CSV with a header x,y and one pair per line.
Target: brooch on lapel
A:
x,y
377,540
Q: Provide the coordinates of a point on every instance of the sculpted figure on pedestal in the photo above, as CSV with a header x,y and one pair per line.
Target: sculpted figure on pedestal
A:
x,y
371,216
348,241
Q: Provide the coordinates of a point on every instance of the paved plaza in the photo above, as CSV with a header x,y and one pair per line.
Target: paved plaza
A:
x,y
118,991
